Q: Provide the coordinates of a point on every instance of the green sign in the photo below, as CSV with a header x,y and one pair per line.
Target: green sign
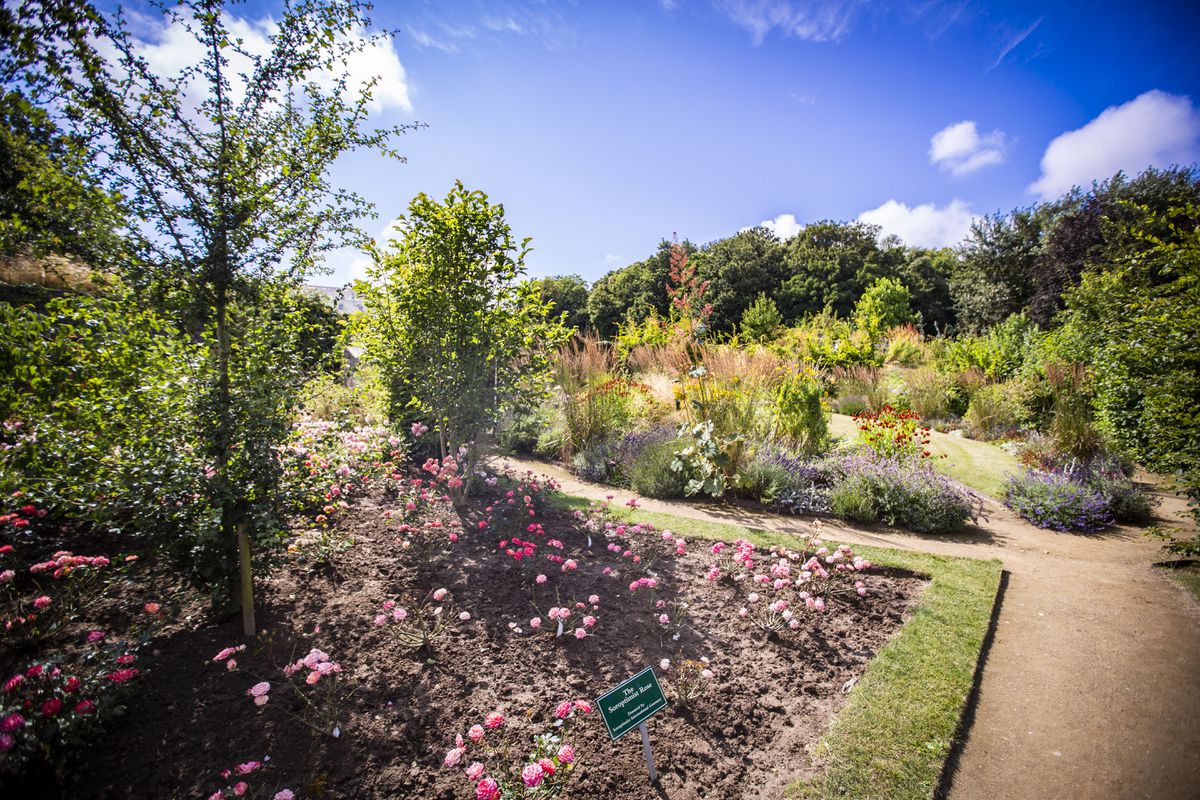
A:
x,y
627,706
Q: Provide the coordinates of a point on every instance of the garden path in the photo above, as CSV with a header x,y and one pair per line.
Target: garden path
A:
x,y
1091,686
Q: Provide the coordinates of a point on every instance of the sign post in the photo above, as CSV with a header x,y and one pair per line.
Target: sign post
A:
x,y
628,706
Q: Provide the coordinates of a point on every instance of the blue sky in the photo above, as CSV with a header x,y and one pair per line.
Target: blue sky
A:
x,y
604,127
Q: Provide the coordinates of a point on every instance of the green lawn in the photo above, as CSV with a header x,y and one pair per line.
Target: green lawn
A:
x,y
980,465
891,739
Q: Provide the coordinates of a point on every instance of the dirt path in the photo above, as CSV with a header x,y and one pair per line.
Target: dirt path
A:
x,y
1091,688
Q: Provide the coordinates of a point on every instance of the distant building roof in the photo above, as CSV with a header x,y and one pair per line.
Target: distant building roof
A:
x,y
342,298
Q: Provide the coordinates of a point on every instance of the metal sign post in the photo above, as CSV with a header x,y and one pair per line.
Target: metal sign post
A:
x,y
629,705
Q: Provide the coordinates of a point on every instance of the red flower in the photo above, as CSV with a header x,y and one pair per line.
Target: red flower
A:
x,y
51,707
122,675
85,707
13,683
72,685
126,659
34,671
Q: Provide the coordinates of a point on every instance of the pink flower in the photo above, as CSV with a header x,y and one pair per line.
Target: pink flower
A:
x,y
152,608
665,664
13,722
248,767
594,599
563,709
540,579
493,720
262,700
95,636
453,756
240,788
566,754
580,633
231,664
589,621
6,742
259,689
51,707
6,576
85,707
418,429
663,619
487,790
440,595
583,706
122,675
313,677
284,794
475,771
569,565
42,602
475,733
13,683
532,775
464,616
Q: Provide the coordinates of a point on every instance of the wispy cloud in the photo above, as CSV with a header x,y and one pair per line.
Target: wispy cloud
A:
x,y
1014,43
960,149
1155,129
817,21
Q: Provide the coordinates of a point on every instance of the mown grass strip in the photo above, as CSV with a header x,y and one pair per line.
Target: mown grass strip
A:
x,y
892,739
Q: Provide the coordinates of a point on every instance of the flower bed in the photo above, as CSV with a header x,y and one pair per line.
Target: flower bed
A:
x,y
746,699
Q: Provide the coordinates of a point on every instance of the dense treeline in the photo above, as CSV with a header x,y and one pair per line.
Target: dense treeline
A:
x,y
1024,261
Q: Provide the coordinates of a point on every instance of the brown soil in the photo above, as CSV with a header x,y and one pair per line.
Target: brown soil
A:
x,y
1091,687
746,739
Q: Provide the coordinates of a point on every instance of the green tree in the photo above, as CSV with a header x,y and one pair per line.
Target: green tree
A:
x,y
738,269
1138,321
568,294
225,165
50,200
458,335
828,265
884,304
762,320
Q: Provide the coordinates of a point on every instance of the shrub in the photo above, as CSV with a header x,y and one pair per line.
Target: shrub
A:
x,y
998,354
703,461
786,482
1057,501
761,320
596,463
904,493
993,412
357,401
904,346
634,443
800,417
650,472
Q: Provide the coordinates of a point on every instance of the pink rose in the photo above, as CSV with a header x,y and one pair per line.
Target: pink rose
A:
x,y
566,754
487,790
475,771
532,775
493,720
475,733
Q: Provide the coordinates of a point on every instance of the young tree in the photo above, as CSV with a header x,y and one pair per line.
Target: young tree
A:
x,y
884,304
761,320
458,335
226,165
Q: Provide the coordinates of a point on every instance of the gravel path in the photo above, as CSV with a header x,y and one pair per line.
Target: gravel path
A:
x,y
1091,688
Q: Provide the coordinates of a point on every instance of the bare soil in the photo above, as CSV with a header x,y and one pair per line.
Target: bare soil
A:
x,y
746,738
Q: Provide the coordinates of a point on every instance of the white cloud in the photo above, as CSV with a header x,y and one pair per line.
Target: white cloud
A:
x,y
784,226
1155,129
169,49
611,260
816,21
925,225
960,149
